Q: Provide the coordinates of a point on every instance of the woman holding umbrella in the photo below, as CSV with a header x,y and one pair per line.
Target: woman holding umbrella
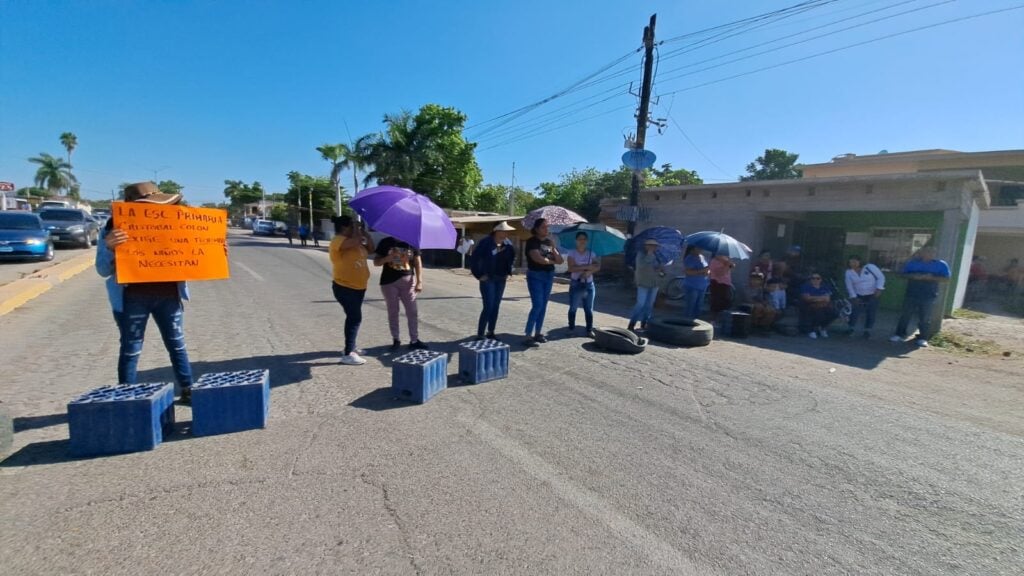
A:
x,y
541,258
491,264
583,264
695,268
348,251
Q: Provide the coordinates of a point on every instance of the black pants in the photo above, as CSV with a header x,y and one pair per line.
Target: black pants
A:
x,y
351,301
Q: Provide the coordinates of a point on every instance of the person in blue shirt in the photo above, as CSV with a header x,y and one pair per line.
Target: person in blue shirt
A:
x,y
695,282
816,311
133,304
924,273
491,264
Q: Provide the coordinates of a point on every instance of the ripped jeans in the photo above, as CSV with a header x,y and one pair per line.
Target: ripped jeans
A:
x,y
169,316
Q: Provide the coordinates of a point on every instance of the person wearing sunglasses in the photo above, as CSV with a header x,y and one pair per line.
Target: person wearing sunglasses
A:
x,y
816,311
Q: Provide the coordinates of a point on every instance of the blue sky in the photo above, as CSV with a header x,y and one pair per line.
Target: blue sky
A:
x,y
200,92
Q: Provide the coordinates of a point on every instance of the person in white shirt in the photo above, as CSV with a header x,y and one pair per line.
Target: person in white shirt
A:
x,y
864,285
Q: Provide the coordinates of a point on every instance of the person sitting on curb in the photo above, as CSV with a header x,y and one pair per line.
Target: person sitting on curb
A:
x,y
816,311
133,304
759,305
864,285
924,273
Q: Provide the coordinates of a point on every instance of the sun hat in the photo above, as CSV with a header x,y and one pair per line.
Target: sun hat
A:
x,y
149,193
651,242
503,227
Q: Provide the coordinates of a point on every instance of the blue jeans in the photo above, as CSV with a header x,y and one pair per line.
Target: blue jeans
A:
x,y
168,313
870,306
644,308
351,301
582,293
539,283
693,302
920,307
491,291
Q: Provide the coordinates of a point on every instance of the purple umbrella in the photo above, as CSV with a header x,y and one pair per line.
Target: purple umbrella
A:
x,y
555,215
406,215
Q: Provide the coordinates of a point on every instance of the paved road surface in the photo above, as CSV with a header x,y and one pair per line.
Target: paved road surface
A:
x,y
11,270
738,458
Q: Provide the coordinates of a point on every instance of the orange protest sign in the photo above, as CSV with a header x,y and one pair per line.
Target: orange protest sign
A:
x,y
170,243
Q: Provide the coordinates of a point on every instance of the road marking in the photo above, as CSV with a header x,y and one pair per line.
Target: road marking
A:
x,y
250,271
25,291
636,536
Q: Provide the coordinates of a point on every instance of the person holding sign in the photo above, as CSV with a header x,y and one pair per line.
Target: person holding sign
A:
x,y
348,251
134,303
400,281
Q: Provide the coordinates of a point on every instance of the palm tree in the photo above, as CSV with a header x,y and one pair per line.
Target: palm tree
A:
x,y
395,153
356,157
334,153
53,173
69,141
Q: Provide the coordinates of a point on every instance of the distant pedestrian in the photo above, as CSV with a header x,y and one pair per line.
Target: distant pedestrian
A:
x,y
349,250
721,288
401,279
816,311
491,264
303,234
315,235
864,286
695,282
289,232
133,304
924,273
583,264
648,272
541,257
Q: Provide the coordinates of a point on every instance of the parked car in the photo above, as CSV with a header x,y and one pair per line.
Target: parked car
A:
x,y
22,235
101,217
70,226
263,227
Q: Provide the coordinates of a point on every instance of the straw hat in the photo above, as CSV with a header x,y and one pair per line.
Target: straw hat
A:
x,y
149,193
651,242
503,227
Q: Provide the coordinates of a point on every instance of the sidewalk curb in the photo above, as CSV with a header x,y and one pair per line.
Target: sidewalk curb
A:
x,y
17,293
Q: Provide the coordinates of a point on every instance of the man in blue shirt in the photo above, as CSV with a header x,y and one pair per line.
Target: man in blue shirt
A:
x,y
923,273
695,282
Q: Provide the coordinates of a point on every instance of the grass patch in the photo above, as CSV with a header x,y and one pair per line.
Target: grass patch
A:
x,y
965,314
960,343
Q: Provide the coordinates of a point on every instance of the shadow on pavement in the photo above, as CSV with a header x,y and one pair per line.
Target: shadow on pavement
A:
x,y
41,453
284,369
35,422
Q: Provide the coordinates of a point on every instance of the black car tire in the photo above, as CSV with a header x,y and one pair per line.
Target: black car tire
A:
x,y
619,340
95,238
681,331
87,242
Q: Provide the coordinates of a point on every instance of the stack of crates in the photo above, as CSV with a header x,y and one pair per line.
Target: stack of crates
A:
x,y
483,361
118,419
224,402
418,376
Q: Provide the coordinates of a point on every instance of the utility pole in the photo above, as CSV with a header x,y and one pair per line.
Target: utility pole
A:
x,y
311,225
641,120
300,205
512,191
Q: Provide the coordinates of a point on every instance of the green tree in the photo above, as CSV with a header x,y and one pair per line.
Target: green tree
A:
x,y
53,173
280,213
335,154
356,157
239,194
427,153
323,196
33,191
774,165
69,141
666,176
495,198
170,187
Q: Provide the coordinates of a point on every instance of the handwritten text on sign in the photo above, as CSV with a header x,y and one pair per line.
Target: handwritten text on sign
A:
x,y
170,243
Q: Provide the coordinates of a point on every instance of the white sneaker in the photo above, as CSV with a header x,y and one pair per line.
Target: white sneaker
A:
x,y
823,333
812,335
921,342
352,359
895,338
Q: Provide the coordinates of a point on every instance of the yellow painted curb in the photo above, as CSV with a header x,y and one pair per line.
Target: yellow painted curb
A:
x,y
77,269
12,296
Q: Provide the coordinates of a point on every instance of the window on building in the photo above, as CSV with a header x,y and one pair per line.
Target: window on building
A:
x,y
890,248
1008,195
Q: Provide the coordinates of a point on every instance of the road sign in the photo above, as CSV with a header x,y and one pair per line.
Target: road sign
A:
x,y
6,186
638,159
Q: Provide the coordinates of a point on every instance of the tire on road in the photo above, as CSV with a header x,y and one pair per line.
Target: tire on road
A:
x,y
619,340
681,331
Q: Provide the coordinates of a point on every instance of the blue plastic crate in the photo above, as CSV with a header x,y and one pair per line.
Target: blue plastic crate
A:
x,y
224,402
418,376
118,419
483,361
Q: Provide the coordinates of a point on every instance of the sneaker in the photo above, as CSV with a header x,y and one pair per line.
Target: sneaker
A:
x,y
352,359
480,337
632,327
921,342
823,333
395,345
417,345
530,342
591,333
895,338
540,339
812,335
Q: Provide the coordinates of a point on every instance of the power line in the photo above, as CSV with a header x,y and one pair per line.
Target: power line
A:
x,y
694,144
841,48
573,123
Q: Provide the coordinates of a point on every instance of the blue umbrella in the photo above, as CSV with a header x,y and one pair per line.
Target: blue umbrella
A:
x,y
719,244
602,240
670,244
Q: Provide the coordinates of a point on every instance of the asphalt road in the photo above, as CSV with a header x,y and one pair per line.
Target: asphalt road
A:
x,y
759,457
11,270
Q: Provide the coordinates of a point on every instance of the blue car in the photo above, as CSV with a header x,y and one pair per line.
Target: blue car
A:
x,y
22,236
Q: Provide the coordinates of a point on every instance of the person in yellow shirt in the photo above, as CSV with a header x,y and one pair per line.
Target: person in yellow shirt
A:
x,y
349,251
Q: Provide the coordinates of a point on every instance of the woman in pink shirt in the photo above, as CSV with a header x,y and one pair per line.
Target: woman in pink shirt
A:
x,y
720,273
